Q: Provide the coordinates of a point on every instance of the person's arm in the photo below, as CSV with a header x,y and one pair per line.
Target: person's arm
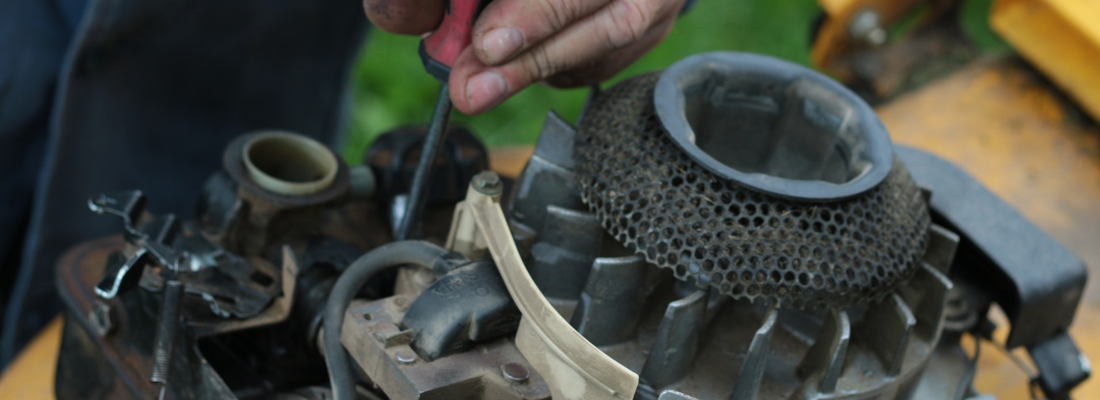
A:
x,y
565,43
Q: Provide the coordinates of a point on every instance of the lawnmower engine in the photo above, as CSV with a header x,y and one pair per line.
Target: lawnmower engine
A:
x,y
734,227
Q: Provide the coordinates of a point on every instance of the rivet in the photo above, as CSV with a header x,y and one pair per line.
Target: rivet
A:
x,y
405,357
515,372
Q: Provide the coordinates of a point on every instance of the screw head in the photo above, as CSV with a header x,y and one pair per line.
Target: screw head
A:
x,y
487,182
515,372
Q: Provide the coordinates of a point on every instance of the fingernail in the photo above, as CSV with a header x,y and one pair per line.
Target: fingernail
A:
x,y
484,90
501,43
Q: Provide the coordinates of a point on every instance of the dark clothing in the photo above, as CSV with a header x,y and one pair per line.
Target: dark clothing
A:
x,y
119,94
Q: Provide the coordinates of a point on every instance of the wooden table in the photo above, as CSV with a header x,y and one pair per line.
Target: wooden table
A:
x,y
995,119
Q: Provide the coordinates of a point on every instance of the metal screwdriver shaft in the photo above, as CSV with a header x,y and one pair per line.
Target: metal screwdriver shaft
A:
x,y
438,51
437,133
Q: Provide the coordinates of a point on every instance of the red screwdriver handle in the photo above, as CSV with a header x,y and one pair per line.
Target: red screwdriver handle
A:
x,y
441,48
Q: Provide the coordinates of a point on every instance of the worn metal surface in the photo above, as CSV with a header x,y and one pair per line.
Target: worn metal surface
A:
x,y
373,338
128,360
751,376
277,312
561,258
253,218
824,361
161,254
234,164
547,177
125,356
201,306
611,303
845,363
677,341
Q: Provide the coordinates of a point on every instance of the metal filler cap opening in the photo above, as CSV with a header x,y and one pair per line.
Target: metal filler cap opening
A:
x,y
773,126
289,164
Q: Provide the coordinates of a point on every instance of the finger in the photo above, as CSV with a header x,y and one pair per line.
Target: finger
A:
x,y
616,61
406,17
508,27
461,83
476,87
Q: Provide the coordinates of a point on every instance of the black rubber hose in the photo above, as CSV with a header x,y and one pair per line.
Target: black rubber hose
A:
x,y
408,252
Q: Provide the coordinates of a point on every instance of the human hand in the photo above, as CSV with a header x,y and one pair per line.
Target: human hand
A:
x,y
564,43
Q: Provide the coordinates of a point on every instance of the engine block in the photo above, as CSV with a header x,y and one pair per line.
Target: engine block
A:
x,y
734,227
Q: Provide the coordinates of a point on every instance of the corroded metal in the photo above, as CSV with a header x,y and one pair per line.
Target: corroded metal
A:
x,y
491,371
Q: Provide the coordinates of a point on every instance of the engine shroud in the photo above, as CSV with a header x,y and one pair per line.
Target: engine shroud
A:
x,y
789,249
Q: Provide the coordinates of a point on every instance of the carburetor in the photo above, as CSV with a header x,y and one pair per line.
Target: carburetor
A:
x,y
734,227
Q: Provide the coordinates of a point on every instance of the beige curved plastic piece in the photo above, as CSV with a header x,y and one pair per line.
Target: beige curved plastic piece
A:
x,y
289,164
572,367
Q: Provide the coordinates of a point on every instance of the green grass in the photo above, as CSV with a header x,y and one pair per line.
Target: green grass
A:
x,y
974,18
391,88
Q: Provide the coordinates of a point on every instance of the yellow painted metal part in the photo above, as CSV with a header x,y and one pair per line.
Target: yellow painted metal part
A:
x,y
1060,37
833,41
995,119
30,376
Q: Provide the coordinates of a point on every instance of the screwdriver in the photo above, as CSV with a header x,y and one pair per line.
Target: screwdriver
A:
x,y
438,52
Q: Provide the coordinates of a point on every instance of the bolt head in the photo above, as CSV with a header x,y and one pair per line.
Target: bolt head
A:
x,y
487,182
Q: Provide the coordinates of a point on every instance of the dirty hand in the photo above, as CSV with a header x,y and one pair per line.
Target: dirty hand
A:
x,y
565,43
